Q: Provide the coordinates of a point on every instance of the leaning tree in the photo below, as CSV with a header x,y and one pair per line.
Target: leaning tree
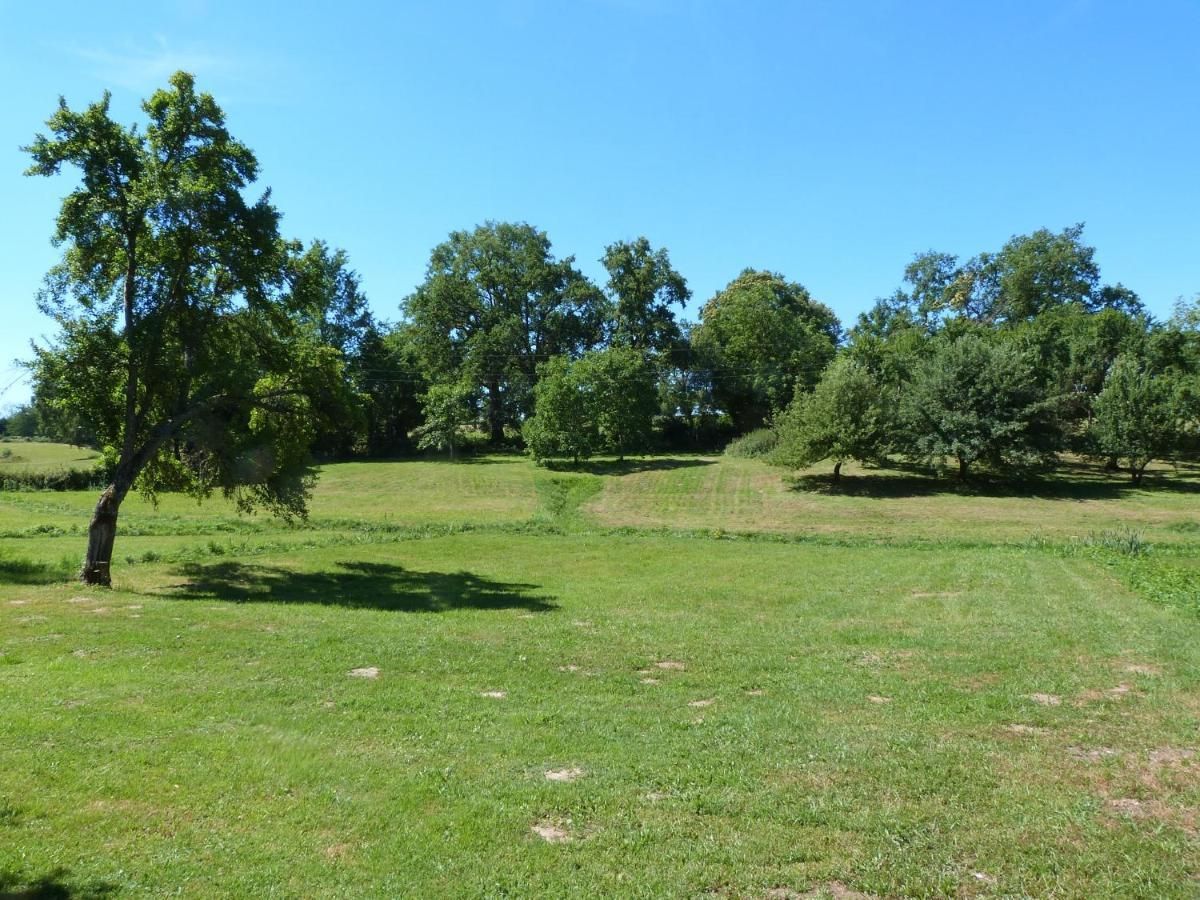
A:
x,y
178,340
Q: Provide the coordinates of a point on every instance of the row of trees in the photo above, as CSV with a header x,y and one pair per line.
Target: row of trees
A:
x,y
203,351
1006,361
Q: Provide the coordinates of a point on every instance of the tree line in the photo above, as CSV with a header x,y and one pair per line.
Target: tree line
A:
x,y
204,352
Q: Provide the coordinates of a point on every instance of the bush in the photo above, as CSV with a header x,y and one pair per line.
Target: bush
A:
x,y
756,444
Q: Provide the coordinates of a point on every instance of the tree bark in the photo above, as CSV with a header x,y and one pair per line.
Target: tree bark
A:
x,y
962,469
102,534
495,414
837,471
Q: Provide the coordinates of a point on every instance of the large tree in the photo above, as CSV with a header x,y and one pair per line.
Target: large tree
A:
x,y
494,304
176,342
644,286
762,339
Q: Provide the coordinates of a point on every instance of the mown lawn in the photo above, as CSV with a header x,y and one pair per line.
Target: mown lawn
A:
x,y
19,457
564,708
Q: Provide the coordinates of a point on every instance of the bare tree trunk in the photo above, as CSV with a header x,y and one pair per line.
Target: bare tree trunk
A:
x,y
837,471
102,534
962,469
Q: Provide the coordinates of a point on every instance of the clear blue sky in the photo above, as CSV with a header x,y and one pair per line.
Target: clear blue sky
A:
x,y
828,141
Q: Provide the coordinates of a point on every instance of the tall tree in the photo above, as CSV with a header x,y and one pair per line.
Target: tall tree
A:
x,y
175,341
495,303
644,287
763,338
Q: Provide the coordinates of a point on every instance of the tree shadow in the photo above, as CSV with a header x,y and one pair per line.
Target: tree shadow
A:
x,y
22,570
1070,481
355,585
55,885
627,466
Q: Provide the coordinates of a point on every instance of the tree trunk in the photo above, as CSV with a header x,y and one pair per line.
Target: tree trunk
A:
x,y
837,471
962,469
1136,474
102,533
495,414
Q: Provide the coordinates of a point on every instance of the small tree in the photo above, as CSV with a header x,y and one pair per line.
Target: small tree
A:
x,y
449,409
1138,417
841,419
564,421
974,401
624,397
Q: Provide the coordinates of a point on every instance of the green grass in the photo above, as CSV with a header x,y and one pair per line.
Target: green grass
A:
x,y
883,690
38,456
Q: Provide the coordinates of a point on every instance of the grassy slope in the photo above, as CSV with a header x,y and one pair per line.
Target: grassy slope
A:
x,y
36,456
747,495
197,729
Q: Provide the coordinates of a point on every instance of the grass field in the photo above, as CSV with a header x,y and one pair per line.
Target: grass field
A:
x,y
670,677
38,456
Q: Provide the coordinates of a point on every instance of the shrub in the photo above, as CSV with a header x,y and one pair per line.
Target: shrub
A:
x,y
756,444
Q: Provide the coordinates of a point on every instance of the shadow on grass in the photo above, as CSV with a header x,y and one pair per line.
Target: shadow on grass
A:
x,y
627,466
1071,481
356,585
54,886
22,570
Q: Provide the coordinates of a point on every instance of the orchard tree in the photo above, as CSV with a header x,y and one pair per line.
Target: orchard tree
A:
x,y
603,401
1139,416
494,304
841,419
448,410
763,338
564,419
973,400
624,397
644,287
177,344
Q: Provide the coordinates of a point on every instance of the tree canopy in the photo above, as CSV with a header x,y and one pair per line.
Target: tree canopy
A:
x,y
177,342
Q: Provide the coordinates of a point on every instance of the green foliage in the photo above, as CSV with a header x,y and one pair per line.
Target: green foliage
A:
x,y
644,286
604,401
974,400
1139,416
763,338
841,419
494,304
564,422
623,397
757,444
449,410
176,345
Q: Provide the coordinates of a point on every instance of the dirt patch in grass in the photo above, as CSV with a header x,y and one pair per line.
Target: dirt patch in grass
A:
x,y
564,775
364,672
926,595
875,698
1026,729
551,831
833,890
700,704
1143,669
1046,699
494,695
671,665
1092,754
1113,693
650,681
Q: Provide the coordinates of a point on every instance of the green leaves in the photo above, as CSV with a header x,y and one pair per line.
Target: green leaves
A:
x,y
1140,416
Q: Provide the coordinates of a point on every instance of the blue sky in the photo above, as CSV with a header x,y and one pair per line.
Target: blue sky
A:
x,y
828,141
